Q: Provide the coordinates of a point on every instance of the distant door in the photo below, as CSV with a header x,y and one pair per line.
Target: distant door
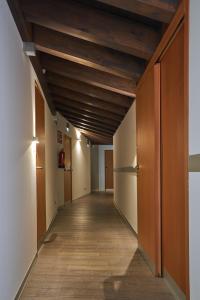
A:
x,y
40,165
108,169
68,169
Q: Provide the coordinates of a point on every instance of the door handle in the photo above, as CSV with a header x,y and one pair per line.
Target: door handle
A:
x,y
39,168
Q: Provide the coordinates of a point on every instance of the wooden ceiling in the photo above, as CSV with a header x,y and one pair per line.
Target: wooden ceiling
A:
x,y
91,54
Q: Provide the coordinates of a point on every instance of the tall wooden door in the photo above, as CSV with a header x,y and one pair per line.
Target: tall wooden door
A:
x,y
108,169
40,165
68,169
174,164
148,156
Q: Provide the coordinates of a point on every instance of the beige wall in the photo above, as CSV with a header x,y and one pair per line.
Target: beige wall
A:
x,y
81,164
125,184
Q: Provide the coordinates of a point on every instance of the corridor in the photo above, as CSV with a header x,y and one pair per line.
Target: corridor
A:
x,y
94,256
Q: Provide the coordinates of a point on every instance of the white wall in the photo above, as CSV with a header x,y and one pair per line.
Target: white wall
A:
x,y
102,149
194,148
81,174
18,223
125,184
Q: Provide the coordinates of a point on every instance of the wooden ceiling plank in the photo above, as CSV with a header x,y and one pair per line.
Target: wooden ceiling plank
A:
x,y
82,113
92,129
159,10
82,21
86,74
78,105
96,137
89,90
87,53
78,118
89,126
94,102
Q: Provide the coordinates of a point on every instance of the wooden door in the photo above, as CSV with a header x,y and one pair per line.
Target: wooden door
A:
x,y
108,169
68,169
174,163
40,165
148,156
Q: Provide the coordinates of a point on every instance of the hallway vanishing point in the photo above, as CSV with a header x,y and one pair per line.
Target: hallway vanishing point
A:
x,y
94,256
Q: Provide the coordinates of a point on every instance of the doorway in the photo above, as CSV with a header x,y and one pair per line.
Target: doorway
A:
x,y
108,169
68,169
40,165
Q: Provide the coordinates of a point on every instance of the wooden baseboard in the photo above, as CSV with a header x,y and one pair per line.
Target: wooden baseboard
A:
x,y
176,291
148,261
17,297
125,219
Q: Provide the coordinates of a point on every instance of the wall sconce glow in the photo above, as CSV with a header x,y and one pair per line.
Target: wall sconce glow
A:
x,y
78,135
29,49
67,127
35,140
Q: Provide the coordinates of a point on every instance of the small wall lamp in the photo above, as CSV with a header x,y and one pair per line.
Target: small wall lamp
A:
x,y
67,127
35,140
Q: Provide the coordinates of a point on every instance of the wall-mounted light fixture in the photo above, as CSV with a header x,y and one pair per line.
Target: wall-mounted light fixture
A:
x,y
88,143
29,49
67,127
35,140
44,71
55,119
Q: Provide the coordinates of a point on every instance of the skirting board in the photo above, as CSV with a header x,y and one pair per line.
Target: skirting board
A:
x,y
148,261
176,291
26,277
125,219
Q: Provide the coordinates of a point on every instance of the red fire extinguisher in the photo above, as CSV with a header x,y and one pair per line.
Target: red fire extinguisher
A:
x,y
61,159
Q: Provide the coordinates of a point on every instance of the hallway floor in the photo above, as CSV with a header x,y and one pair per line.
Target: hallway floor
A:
x,y
94,256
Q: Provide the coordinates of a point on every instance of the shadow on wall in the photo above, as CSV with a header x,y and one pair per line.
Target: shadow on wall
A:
x,y
137,284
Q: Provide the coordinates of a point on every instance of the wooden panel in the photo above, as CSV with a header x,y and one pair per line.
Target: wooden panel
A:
x,y
174,163
68,169
40,165
148,155
108,169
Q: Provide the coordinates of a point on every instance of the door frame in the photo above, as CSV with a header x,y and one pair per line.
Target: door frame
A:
x,y
66,137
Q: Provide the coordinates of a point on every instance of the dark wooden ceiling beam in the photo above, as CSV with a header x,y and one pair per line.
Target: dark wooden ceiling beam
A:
x,y
96,137
91,24
87,53
85,74
92,129
92,116
91,123
89,90
78,105
89,126
25,30
94,102
159,10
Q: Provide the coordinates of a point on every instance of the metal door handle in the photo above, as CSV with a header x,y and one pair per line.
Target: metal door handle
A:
x,y
40,168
